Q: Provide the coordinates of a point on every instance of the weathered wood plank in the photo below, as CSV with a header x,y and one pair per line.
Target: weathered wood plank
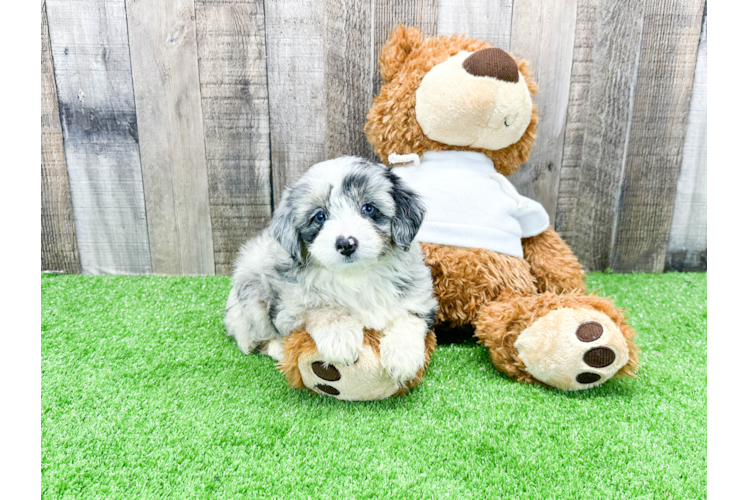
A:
x,y
296,88
163,52
572,222
670,37
606,47
484,19
543,33
354,34
348,76
714,126
233,87
59,247
687,246
388,14
100,132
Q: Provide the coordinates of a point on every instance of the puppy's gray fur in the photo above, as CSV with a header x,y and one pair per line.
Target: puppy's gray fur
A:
x,y
295,274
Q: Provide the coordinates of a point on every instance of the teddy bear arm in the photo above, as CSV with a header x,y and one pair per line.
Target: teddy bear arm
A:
x,y
553,264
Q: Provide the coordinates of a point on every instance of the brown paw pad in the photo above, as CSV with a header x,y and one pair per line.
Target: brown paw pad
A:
x,y
329,372
589,331
327,389
588,378
599,357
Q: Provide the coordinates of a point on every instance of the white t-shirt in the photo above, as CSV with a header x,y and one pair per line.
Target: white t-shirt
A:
x,y
469,204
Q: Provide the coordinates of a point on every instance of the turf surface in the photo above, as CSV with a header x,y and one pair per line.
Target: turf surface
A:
x,y
144,396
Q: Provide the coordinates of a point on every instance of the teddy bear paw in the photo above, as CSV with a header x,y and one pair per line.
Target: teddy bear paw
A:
x,y
360,381
573,349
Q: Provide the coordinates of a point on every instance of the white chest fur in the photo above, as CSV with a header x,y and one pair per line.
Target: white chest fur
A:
x,y
374,296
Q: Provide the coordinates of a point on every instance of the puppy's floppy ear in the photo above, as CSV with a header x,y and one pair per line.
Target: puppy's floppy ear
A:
x,y
409,212
283,229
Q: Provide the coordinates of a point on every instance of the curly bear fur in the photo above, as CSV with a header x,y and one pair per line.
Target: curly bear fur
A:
x,y
501,323
499,295
391,125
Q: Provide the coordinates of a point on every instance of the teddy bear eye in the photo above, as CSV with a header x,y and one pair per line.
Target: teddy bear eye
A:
x,y
367,209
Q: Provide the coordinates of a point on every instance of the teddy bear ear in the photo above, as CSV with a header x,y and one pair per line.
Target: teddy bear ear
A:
x,y
401,42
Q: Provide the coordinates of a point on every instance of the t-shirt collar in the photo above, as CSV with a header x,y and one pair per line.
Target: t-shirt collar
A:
x,y
470,160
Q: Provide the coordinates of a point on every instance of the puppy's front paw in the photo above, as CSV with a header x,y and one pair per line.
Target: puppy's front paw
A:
x,y
339,345
402,357
245,345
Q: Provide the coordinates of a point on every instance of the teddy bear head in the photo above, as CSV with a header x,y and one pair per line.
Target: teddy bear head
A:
x,y
452,93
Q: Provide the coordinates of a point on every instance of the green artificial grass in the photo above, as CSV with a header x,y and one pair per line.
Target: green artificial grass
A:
x,y
144,396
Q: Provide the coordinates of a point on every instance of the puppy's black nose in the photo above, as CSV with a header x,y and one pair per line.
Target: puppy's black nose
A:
x,y
346,246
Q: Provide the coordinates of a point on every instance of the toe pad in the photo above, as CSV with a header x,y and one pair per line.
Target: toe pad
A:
x,y
572,349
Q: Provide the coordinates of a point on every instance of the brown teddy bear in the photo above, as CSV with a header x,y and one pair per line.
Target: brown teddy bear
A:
x,y
459,114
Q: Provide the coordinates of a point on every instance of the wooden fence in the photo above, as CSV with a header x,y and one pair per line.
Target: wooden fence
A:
x,y
170,127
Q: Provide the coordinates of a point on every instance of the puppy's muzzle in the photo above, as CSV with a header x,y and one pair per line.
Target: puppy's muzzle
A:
x,y
346,246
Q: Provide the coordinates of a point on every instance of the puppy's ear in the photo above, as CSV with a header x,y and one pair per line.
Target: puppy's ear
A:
x,y
409,212
283,229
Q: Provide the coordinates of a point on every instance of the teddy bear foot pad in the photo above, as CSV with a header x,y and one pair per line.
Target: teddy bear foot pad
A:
x,y
364,380
573,349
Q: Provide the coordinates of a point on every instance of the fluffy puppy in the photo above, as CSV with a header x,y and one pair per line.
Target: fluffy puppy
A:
x,y
338,257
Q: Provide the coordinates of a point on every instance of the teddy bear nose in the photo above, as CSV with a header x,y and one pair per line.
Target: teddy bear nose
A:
x,y
494,63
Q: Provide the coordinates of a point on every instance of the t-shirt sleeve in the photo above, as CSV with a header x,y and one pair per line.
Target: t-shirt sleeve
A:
x,y
533,219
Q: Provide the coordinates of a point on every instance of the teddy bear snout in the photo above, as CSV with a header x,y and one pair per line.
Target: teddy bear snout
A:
x,y
494,63
500,119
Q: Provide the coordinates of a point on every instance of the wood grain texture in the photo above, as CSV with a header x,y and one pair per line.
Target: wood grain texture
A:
x,y
238,98
348,76
163,52
234,93
296,89
543,33
388,14
606,47
59,247
667,61
687,246
714,130
484,19
97,110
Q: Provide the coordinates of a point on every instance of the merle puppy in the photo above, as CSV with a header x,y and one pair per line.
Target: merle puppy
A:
x,y
338,257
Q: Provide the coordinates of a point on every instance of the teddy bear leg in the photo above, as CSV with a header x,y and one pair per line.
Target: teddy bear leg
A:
x,y
552,263
364,380
570,342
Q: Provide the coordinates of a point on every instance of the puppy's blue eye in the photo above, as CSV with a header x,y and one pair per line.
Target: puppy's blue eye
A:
x,y
367,209
320,217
